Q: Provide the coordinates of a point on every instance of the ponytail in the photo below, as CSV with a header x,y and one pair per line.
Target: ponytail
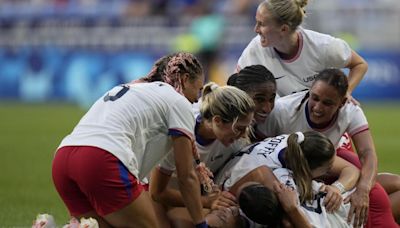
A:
x,y
297,162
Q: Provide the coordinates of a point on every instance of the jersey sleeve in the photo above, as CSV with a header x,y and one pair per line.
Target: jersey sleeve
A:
x,y
337,53
358,122
180,119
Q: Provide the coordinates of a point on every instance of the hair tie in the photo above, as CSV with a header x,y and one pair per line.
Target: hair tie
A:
x,y
213,87
300,137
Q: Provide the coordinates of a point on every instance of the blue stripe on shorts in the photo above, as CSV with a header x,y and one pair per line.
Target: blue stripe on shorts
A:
x,y
124,173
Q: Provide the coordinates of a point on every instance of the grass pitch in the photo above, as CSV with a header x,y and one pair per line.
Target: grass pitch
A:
x,y
30,134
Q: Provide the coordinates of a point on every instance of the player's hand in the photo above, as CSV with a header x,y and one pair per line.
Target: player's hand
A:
x,y
333,198
286,195
351,99
218,218
359,207
224,200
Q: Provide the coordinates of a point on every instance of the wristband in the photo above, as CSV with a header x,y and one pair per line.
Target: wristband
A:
x,y
202,225
339,186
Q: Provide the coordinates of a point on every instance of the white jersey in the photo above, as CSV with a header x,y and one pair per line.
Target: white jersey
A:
x,y
264,153
314,210
316,52
270,153
135,123
285,119
214,154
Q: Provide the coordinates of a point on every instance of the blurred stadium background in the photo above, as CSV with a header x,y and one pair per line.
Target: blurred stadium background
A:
x,y
58,56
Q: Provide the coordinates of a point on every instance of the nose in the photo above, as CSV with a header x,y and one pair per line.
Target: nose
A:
x,y
267,108
256,28
317,106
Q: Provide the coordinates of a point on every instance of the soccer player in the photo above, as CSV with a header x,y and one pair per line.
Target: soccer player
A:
x,y
308,156
324,109
258,82
225,115
98,167
295,55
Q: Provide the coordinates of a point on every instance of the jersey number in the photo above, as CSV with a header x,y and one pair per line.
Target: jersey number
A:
x,y
119,94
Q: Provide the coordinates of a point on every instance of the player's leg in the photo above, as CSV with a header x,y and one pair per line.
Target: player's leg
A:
x,y
69,191
391,184
379,212
139,213
110,189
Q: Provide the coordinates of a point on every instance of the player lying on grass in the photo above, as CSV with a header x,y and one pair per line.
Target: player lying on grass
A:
x,y
307,156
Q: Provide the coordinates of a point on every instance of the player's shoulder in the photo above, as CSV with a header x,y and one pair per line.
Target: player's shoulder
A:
x,y
350,109
287,102
316,37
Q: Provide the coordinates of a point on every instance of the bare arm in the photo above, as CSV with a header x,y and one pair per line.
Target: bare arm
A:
x,y
366,152
261,175
189,185
162,193
289,201
360,198
348,176
348,173
358,67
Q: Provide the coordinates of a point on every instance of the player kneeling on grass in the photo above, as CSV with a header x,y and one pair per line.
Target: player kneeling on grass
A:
x,y
225,115
128,131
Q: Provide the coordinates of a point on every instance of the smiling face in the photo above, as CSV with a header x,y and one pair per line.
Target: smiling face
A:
x,y
324,103
263,96
229,132
266,27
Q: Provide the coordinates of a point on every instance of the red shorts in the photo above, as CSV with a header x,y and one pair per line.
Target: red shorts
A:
x,y
379,211
92,179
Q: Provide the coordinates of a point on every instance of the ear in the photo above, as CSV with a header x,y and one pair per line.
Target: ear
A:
x,y
285,28
184,79
217,119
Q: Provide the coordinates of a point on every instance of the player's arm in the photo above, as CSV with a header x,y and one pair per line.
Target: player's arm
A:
x,y
358,67
347,173
366,152
348,176
162,193
189,185
289,201
360,198
159,190
262,175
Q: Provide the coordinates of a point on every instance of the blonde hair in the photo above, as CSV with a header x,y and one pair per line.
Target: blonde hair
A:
x,y
228,102
290,12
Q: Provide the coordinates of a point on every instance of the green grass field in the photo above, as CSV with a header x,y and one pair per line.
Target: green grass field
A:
x,y
30,134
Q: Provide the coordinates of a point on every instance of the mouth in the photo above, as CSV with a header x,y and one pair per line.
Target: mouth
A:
x,y
317,114
263,39
261,116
